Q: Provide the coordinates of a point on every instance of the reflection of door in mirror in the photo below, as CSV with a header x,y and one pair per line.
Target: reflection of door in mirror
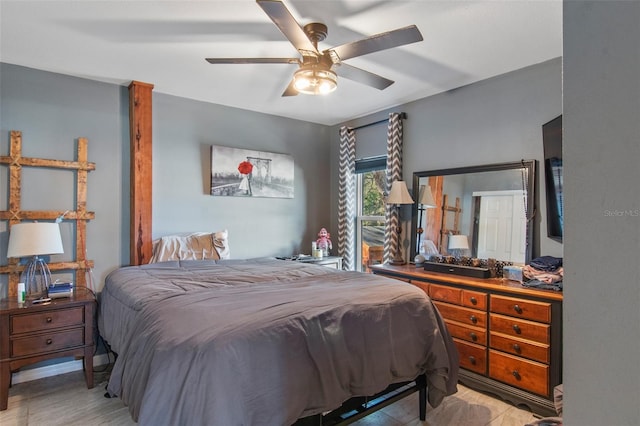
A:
x,y
501,224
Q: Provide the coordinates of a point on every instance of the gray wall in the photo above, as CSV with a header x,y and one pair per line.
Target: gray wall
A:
x,y
602,206
493,121
53,110
184,130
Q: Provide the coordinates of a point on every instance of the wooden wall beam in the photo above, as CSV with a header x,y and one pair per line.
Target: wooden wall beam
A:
x,y
140,131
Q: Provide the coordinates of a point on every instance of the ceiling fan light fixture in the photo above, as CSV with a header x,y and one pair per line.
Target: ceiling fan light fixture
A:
x,y
314,81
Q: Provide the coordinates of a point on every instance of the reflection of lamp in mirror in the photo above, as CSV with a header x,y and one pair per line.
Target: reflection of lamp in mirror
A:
x,y
458,245
34,239
425,201
398,195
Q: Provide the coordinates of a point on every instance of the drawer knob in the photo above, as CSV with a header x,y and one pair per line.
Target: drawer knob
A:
x,y
516,348
516,374
49,341
473,319
474,301
49,319
472,360
517,308
516,328
473,336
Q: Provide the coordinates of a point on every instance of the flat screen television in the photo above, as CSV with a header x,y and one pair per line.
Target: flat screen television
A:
x,y
552,142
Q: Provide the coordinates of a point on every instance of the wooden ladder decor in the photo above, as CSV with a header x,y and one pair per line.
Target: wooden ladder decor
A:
x,y
455,230
80,216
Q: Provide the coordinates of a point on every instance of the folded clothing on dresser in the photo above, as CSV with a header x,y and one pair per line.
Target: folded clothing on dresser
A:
x,y
544,272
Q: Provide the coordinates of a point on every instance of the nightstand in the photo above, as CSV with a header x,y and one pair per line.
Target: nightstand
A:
x,y
329,261
34,333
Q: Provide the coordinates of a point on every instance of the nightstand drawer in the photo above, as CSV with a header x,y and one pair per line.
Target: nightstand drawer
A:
x,y
521,328
519,372
463,315
519,308
47,342
47,320
472,357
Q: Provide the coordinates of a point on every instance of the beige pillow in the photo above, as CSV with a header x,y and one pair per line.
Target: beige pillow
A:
x,y
195,246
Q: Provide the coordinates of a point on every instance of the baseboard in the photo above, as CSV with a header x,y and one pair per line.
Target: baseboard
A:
x,y
55,369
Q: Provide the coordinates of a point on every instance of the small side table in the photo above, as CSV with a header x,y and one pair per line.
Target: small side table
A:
x,y
34,333
329,261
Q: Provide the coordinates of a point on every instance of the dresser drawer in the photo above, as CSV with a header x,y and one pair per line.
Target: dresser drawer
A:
x,y
445,294
421,284
471,334
524,348
47,320
474,299
520,328
462,315
472,357
520,308
47,342
530,375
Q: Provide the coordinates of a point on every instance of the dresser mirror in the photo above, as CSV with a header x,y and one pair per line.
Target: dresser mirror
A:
x,y
488,208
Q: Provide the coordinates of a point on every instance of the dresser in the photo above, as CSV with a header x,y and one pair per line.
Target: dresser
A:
x,y
33,333
509,337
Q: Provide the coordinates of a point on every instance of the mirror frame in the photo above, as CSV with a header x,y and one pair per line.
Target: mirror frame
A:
x,y
529,165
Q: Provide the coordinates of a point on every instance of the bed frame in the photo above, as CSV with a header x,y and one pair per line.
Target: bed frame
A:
x,y
140,125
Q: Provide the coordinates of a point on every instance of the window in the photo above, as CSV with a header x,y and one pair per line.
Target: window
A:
x,y
370,182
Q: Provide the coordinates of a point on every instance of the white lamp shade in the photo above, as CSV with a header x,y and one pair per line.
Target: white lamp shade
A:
x,y
458,242
426,197
399,193
34,239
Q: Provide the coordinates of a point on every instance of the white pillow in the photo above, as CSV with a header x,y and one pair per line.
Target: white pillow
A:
x,y
195,246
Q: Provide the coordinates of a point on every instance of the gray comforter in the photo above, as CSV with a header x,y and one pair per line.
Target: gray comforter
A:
x,y
264,341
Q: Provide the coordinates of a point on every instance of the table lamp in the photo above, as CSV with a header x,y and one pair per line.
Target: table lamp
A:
x,y
34,239
398,195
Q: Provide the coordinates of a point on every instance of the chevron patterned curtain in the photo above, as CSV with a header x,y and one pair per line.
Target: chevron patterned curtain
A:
x,y
347,198
394,172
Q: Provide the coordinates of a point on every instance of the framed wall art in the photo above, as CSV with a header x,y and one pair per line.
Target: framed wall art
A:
x,y
249,173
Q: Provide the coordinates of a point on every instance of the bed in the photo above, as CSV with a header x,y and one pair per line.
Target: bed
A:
x,y
265,341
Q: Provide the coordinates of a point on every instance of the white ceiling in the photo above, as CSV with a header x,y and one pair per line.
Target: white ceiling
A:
x,y
165,42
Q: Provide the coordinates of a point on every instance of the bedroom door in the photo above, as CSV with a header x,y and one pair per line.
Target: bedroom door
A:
x,y
501,225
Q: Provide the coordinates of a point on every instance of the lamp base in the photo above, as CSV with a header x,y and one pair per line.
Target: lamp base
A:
x,y
397,261
37,278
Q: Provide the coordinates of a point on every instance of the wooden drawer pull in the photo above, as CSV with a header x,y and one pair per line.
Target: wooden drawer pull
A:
x,y
473,319
516,328
516,374
472,360
474,301
517,308
49,341
49,319
473,336
517,348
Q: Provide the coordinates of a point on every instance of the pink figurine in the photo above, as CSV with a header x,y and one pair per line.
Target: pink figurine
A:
x,y
324,242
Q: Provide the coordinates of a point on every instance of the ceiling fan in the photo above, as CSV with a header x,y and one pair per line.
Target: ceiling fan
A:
x,y
318,70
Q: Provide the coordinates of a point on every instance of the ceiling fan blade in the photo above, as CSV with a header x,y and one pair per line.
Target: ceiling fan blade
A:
x,y
253,60
361,76
378,42
290,90
285,21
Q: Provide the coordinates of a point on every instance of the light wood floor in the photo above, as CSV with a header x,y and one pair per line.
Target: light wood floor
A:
x,y
65,400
